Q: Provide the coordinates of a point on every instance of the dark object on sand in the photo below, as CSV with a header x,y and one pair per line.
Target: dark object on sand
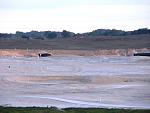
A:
x,y
142,54
44,55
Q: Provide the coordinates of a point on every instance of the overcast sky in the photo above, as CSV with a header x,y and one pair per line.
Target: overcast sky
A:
x,y
73,15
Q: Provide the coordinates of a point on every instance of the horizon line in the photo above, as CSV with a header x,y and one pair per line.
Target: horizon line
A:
x,y
72,31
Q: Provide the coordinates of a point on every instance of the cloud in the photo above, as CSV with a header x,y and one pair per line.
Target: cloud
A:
x,y
76,18
44,4
25,4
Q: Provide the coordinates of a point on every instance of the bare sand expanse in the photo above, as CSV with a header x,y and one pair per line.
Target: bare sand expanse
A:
x,y
99,52
75,81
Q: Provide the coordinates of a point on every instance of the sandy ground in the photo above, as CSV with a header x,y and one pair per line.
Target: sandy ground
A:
x,y
75,81
99,52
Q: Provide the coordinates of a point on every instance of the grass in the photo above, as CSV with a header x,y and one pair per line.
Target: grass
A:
x,y
67,110
88,43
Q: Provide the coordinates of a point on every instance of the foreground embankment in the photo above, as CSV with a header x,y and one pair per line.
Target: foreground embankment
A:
x,y
103,52
67,110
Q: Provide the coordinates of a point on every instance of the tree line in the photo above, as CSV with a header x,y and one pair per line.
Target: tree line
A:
x,y
66,34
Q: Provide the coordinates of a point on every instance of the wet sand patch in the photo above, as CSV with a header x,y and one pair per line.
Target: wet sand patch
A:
x,y
101,80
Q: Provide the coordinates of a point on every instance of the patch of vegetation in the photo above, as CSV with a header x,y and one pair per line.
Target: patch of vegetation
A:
x,y
66,110
68,34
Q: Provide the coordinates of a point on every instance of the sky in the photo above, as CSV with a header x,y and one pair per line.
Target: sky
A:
x,y
73,15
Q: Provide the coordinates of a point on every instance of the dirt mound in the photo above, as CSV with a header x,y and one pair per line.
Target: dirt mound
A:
x,y
35,53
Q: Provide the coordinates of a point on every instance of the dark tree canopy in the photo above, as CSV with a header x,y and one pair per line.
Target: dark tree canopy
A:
x,y
50,35
25,37
68,34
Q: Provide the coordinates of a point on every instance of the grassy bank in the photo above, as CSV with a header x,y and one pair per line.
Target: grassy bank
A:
x,y
67,110
87,43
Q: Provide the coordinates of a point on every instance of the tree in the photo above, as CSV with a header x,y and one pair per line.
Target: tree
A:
x,y
50,35
25,37
66,34
141,31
